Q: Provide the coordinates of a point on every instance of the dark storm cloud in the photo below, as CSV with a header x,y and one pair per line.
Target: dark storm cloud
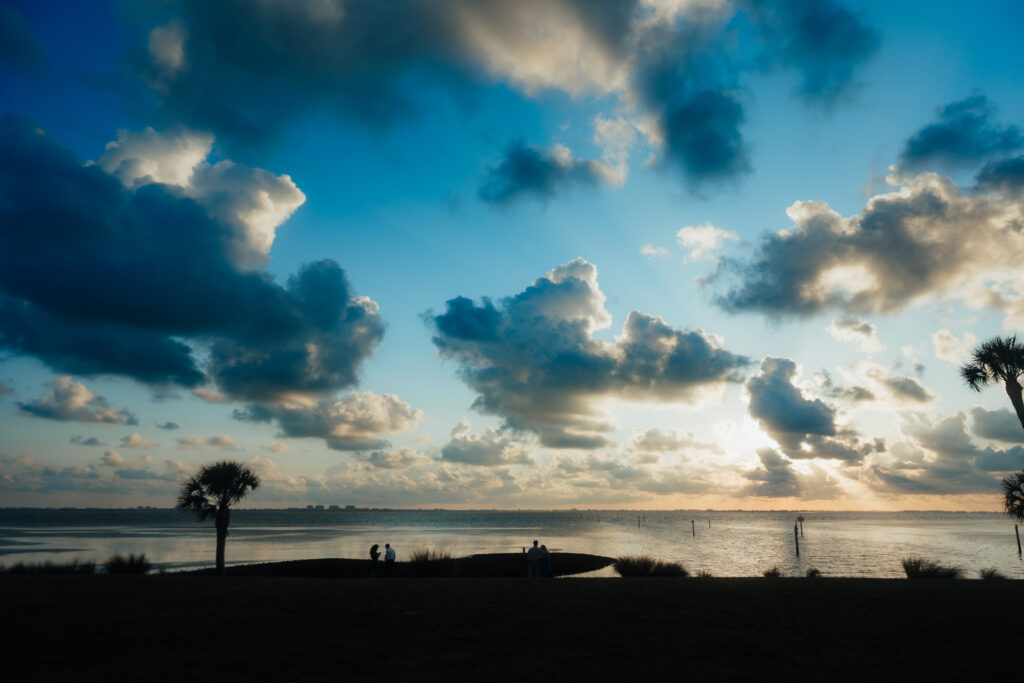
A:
x,y
20,48
803,427
823,41
1000,425
941,458
245,71
1005,176
357,422
903,246
525,170
93,280
534,361
963,135
688,87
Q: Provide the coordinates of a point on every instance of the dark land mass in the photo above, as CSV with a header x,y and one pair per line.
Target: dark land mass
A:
x,y
488,565
240,628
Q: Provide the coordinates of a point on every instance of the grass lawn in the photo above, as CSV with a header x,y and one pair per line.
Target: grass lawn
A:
x,y
170,627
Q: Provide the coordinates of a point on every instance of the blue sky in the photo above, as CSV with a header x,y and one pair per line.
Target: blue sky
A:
x,y
658,254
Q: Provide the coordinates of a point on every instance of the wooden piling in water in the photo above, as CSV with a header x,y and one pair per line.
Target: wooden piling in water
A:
x,y
693,528
796,539
1016,530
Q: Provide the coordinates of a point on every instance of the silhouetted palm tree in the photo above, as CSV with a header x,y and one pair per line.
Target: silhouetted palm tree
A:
x,y
1013,496
213,491
998,360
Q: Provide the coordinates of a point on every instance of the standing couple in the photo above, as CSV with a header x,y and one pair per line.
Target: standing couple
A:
x,y
538,562
389,559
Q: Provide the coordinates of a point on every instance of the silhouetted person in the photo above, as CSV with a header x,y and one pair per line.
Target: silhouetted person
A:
x,y
389,560
544,567
374,559
533,556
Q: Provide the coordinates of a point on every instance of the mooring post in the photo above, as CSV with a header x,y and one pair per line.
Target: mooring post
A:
x,y
693,528
709,522
638,521
796,539
1016,530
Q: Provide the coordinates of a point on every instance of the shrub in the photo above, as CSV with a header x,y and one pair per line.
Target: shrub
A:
x,y
75,566
133,564
432,563
991,573
704,574
772,573
644,565
813,573
919,568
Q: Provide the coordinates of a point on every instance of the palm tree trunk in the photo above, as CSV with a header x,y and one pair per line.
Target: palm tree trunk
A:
x,y
222,520
1013,390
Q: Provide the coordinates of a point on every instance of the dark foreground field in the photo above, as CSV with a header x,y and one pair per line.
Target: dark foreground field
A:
x,y
175,627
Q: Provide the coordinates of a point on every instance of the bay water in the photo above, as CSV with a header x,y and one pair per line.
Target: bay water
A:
x,y
725,543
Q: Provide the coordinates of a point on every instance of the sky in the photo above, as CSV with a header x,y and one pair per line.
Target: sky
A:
x,y
657,254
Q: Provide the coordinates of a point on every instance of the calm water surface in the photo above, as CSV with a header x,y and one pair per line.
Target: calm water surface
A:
x,y
724,543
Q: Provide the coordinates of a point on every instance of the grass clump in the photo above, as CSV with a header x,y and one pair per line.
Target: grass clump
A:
x,y
133,564
991,573
919,568
813,573
74,566
772,573
704,574
644,565
428,563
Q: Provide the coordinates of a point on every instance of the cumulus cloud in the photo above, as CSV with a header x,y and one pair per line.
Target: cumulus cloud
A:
x,y
112,458
534,360
490,449
851,330
401,459
667,70
524,170
91,276
135,440
803,427
1000,425
167,425
906,246
703,241
68,400
358,421
651,251
963,135
941,458
656,441
776,477
953,349
218,441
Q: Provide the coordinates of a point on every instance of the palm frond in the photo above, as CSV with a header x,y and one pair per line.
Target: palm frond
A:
x,y
975,376
1013,496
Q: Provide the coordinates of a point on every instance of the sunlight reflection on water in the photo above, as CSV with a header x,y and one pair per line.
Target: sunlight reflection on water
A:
x,y
735,544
